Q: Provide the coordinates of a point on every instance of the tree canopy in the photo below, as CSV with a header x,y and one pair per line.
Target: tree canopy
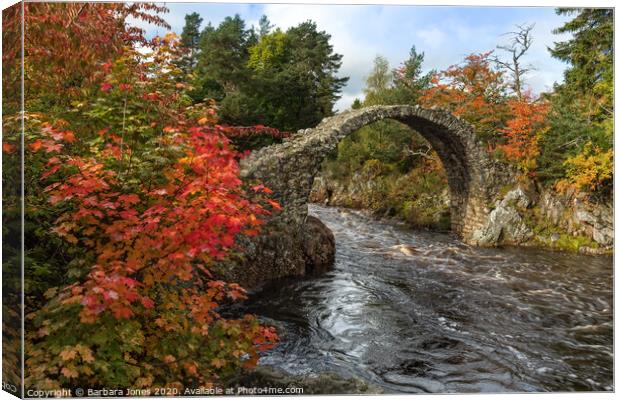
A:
x,y
241,68
578,148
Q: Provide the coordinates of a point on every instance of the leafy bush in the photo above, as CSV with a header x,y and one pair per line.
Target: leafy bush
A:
x,y
589,171
133,197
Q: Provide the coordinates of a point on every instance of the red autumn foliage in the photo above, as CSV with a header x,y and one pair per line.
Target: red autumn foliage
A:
x,y
153,252
64,42
191,219
145,190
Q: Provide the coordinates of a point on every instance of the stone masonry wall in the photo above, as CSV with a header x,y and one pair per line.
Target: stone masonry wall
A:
x,y
289,170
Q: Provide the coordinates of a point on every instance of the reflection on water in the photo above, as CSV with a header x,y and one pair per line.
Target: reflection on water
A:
x,y
414,311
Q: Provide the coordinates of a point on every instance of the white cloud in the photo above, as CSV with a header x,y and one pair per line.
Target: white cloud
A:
x,y
432,36
346,100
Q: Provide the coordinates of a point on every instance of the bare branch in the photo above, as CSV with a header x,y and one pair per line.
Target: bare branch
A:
x,y
426,154
518,47
76,16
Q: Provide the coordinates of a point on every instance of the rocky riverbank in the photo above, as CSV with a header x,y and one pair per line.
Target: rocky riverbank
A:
x,y
524,214
414,198
530,215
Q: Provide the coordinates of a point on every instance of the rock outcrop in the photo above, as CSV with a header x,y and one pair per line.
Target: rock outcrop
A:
x,y
319,246
282,250
527,215
579,217
505,224
426,209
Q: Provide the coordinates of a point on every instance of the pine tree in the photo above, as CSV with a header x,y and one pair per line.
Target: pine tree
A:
x,y
409,82
581,116
190,38
590,51
264,26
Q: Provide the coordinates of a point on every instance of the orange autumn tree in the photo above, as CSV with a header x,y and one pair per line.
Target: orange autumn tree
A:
x,y
472,90
527,123
143,188
477,92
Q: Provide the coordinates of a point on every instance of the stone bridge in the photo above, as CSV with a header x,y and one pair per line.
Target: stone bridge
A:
x,y
289,170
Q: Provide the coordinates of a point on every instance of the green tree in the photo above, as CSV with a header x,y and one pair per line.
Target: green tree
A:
x,y
409,82
190,39
316,66
402,85
581,117
590,50
287,80
272,51
378,83
295,77
264,26
222,61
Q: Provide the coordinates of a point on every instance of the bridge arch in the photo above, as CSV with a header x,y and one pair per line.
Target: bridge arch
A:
x,y
289,168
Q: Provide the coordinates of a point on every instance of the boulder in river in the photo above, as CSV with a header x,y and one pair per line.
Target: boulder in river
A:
x,y
319,246
406,249
280,251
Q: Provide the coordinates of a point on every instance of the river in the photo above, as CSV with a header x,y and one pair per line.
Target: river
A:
x,y
413,311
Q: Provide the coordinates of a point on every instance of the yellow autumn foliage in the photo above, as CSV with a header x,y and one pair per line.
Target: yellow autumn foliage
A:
x,y
589,170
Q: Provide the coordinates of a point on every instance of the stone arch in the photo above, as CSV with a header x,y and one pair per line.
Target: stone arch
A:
x,y
289,168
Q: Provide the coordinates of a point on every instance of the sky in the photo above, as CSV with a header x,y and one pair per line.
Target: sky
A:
x,y
446,34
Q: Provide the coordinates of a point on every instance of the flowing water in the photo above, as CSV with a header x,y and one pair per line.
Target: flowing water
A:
x,y
413,311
